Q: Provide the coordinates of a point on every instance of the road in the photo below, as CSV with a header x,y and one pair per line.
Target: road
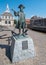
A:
x,y
39,39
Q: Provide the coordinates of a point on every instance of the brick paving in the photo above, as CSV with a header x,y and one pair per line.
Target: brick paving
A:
x,y
39,39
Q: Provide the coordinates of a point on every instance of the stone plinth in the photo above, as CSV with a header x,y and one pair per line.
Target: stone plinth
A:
x,y
22,48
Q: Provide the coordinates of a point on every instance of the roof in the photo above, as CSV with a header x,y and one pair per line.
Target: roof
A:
x,y
28,21
7,14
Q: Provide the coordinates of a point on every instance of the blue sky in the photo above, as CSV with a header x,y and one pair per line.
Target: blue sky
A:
x,y
32,7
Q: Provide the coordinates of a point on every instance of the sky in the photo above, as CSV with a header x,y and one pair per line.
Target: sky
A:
x,y
32,7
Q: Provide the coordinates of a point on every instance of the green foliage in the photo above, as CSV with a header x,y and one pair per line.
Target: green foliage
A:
x,y
15,21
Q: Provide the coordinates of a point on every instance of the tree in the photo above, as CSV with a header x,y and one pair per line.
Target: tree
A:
x,y
15,21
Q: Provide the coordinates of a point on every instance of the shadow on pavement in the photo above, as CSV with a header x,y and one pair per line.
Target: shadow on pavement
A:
x,y
7,48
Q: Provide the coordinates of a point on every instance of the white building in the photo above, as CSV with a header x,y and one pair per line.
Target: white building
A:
x,y
7,19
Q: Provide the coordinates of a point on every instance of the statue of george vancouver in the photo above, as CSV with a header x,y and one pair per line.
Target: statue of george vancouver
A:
x,y
21,20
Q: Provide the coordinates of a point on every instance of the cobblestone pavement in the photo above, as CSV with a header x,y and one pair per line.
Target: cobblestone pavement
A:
x,y
39,39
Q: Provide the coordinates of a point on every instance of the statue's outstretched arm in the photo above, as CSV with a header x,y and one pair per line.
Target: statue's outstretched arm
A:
x,y
15,13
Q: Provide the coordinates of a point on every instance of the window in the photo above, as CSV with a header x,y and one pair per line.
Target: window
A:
x,y
9,22
0,19
5,22
44,22
5,16
9,17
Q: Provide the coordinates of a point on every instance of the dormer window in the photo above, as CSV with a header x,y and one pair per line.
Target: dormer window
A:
x,y
5,16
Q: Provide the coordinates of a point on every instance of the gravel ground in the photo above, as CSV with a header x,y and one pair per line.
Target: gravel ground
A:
x,y
39,39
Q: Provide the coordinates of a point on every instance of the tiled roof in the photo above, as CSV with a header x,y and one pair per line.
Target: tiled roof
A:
x,y
28,21
7,14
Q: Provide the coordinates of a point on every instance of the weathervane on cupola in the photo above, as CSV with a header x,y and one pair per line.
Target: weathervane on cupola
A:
x,y
7,9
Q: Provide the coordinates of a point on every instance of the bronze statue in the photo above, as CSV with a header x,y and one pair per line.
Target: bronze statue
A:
x,y
21,20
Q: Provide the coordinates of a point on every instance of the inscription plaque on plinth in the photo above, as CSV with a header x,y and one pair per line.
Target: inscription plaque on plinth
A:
x,y
24,45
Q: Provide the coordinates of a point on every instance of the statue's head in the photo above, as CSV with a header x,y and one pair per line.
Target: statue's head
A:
x,y
21,7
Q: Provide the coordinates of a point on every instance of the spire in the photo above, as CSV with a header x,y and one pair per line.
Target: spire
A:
x,y
7,9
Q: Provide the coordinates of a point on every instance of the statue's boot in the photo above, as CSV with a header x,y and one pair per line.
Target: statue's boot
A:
x,y
26,31
23,34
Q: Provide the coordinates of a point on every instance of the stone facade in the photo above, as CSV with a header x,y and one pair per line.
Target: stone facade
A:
x,y
6,19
